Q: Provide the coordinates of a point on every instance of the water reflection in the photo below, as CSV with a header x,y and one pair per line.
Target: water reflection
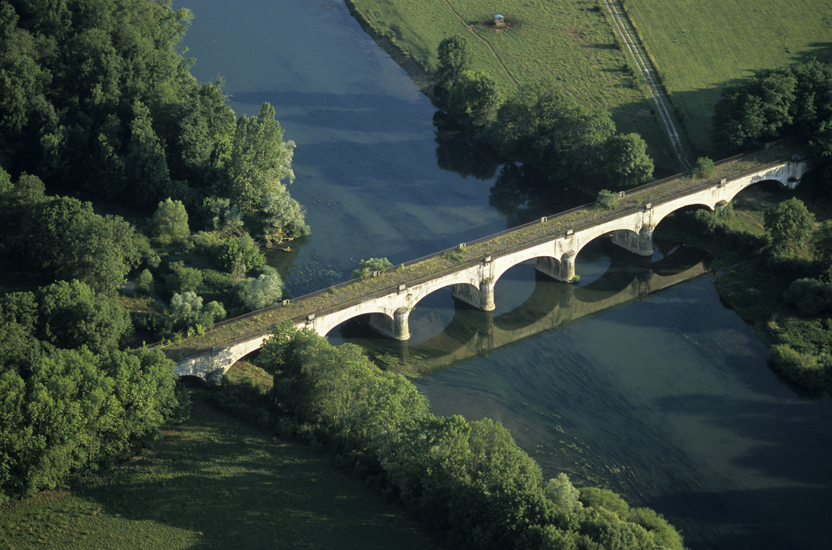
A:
x,y
458,151
523,194
528,303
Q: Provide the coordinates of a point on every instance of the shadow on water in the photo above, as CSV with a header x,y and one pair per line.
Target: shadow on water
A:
x,y
523,194
469,332
457,150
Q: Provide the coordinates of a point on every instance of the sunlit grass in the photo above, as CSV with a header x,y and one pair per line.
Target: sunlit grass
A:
x,y
702,46
214,483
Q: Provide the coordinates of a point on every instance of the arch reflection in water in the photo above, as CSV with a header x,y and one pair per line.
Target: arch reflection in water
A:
x,y
550,305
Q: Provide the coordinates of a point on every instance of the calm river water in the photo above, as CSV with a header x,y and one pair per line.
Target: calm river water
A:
x,y
664,396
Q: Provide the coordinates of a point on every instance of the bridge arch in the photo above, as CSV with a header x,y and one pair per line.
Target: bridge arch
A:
x,y
330,322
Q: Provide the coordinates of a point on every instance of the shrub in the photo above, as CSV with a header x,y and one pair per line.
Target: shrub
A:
x,y
607,199
809,296
800,368
367,267
183,279
258,293
704,168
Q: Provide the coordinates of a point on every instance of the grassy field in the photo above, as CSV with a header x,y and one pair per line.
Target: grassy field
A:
x,y
702,46
568,42
213,483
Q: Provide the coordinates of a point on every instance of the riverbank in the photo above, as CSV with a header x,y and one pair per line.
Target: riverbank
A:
x,y
418,73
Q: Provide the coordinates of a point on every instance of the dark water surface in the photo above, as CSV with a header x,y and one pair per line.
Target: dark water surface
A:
x,y
662,395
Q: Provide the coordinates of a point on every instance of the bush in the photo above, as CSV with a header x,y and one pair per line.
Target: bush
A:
x,y
183,279
607,199
809,296
704,168
258,293
800,368
367,267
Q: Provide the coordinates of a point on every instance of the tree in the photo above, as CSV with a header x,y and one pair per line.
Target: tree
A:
x,y
259,159
628,164
146,167
454,58
242,254
183,279
185,308
261,292
789,224
223,216
475,96
65,238
282,215
563,494
170,221
71,315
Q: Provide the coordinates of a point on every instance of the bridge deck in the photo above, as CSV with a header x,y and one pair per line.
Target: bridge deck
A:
x,y
448,261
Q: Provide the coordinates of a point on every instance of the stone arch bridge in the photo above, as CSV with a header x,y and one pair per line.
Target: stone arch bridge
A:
x,y
553,243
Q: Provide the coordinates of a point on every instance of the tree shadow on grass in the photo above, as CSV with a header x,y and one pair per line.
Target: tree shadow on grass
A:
x,y
234,486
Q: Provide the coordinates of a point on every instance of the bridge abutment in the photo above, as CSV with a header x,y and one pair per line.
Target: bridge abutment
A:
x,y
395,327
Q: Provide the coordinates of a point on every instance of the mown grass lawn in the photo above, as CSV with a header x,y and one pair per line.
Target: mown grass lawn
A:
x,y
702,46
214,483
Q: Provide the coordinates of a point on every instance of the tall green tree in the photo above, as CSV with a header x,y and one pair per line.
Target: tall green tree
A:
x,y
789,225
170,221
145,164
454,58
259,159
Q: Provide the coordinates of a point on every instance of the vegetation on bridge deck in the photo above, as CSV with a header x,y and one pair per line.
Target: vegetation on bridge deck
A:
x,y
448,261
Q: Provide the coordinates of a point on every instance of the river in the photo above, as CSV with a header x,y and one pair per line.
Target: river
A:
x,y
665,397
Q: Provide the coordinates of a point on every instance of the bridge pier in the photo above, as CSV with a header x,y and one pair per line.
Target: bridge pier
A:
x,y
396,327
563,270
641,244
481,298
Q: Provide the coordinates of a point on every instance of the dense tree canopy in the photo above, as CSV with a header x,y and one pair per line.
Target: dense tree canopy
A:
x,y
791,100
96,95
565,140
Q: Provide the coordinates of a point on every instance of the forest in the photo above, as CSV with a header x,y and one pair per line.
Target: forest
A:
x,y
99,114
